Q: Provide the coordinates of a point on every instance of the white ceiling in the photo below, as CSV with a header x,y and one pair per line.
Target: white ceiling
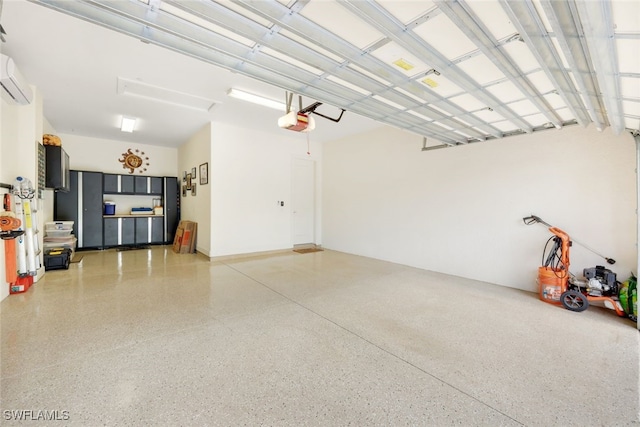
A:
x,y
456,72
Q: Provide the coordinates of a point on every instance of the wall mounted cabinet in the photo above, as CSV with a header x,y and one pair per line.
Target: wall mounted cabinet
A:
x,y
57,168
133,184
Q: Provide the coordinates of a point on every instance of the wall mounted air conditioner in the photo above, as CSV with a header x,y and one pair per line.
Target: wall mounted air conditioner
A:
x,y
13,86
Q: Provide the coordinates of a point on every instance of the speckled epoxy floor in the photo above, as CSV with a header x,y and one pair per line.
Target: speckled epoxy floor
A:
x,y
150,337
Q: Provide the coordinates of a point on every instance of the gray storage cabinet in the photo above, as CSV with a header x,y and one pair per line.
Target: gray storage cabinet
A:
x,y
82,204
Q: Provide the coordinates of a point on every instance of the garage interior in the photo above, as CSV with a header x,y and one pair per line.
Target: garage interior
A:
x,y
460,118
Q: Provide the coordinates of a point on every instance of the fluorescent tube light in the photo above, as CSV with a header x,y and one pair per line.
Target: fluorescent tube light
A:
x,y
128,124
256,99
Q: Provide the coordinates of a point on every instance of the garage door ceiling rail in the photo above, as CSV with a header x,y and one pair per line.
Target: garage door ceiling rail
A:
x,y
455,72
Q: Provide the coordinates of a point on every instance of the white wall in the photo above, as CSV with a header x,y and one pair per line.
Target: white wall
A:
x,y
250,171
102,155
197,208
20,133
459,210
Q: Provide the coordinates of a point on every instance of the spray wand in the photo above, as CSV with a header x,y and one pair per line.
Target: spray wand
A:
x,y
532,219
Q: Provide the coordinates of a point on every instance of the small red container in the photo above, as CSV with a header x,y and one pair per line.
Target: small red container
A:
x,y
21,285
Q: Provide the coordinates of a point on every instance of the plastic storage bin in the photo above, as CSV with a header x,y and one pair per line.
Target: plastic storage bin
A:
x,y
109,208
60,242
58,225
59,233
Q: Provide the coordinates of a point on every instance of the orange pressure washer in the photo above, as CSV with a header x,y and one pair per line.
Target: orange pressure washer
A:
x,y
556,285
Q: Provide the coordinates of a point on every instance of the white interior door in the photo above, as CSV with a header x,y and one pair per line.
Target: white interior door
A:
x,y
304,196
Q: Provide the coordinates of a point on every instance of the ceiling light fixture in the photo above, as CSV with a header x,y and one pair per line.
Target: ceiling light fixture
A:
x,y
256,99
128,124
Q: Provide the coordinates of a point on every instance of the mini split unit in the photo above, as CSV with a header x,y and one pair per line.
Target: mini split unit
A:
x,y
14,88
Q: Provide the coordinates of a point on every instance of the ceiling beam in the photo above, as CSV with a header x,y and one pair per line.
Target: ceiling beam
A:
x,y
523,15
467,21
387,24
132,18
568,30
241,25
598,23
315,34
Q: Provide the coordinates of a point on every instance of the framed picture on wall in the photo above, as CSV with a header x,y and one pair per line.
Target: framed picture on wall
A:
x,y
193,173
188,181
184,191
193,189
204,173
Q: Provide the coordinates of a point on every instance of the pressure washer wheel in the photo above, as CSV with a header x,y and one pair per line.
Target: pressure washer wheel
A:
x,y
574,301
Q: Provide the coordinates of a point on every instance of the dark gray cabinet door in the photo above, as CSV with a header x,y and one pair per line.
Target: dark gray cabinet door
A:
x,y
91,202
127,184
156,185
128,231
157,230
82,205
65,206
140,185
142,230
171,207
110,232
110,183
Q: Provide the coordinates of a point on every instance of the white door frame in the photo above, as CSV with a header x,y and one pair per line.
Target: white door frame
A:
x,y
295,203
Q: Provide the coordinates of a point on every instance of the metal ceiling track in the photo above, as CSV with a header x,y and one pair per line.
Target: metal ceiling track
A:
x,y
219,15
525,18
265,37
600,37
316,35
469,23
567,29
386,23
148,24
352,79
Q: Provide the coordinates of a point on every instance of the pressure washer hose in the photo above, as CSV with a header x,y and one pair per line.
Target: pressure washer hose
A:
x,y
532,219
